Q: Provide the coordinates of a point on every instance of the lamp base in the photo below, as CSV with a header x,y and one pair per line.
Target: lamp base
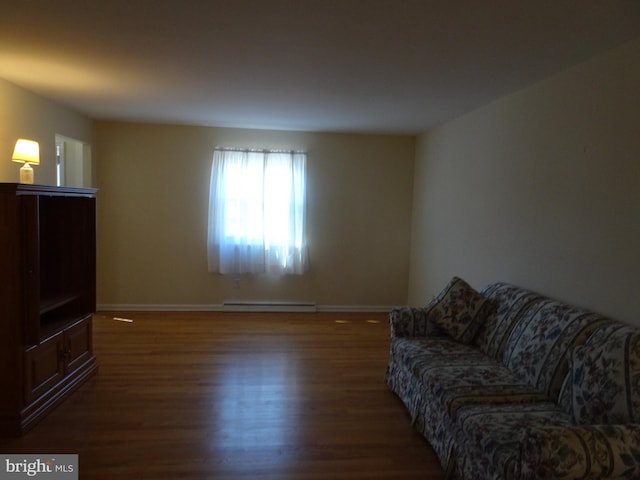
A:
x,y
26,174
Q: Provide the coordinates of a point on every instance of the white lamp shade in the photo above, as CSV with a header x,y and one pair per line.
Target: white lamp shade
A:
x,y
26,151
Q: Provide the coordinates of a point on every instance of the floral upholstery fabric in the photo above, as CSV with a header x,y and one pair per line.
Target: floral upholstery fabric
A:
x,y
459,310
408,358
609,331
411,322
473,402
436,375
580,452
606,381
538,345
511,302
489,437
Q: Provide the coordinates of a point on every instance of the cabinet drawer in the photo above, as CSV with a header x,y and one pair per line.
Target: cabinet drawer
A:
x,y
44,367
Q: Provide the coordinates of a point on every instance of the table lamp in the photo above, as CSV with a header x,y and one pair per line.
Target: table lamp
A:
x,y
27,152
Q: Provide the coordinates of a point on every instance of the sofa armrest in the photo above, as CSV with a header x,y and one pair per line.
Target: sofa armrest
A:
x,y
411,322
580,452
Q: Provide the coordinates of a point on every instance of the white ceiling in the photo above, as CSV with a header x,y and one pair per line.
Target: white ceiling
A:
x,y
387,66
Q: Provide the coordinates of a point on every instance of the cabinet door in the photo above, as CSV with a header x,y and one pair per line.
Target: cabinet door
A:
x,y
44,367
78,346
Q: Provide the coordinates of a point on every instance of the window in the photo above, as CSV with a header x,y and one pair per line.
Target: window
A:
x,y
257,212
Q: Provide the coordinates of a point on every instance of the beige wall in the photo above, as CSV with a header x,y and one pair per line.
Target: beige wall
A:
x,y
26,115
152,217
541,188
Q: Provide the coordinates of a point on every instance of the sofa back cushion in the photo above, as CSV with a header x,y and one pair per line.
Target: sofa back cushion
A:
x,y
511,303
605,380
537,348
607,331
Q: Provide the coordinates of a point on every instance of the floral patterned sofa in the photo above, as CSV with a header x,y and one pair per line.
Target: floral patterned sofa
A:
x,y
508,384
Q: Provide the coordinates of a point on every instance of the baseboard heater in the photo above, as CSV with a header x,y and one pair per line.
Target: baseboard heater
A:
x,y
269,307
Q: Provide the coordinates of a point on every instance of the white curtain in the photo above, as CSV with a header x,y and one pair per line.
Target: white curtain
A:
x,y
257,212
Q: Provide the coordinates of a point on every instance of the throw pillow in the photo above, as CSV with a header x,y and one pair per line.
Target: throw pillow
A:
x,y
606,381
459,310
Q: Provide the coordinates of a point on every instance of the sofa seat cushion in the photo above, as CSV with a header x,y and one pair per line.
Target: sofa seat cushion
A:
x,y
453,375
488,437
411,351
606,381
407,353
454,383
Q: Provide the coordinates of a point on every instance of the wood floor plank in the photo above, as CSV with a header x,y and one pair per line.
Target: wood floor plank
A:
x,y
199,395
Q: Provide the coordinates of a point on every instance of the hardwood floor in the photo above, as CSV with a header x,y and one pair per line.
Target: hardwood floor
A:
x,y
237,396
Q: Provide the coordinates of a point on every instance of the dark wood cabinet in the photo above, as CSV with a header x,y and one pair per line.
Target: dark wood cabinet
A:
x,y
47,299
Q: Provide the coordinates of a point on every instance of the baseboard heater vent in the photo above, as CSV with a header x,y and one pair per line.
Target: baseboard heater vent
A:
x,y
268,307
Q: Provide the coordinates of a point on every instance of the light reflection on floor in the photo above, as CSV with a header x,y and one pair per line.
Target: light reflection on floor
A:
x,y
260,407
256,407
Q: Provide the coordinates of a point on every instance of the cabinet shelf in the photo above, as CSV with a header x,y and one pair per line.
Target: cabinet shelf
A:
x,y
49,304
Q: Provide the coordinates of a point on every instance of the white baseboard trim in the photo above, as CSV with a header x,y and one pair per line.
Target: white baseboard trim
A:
x,y
160,307
168,307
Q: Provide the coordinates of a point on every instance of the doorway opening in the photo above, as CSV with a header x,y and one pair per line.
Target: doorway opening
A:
x,y
73,163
